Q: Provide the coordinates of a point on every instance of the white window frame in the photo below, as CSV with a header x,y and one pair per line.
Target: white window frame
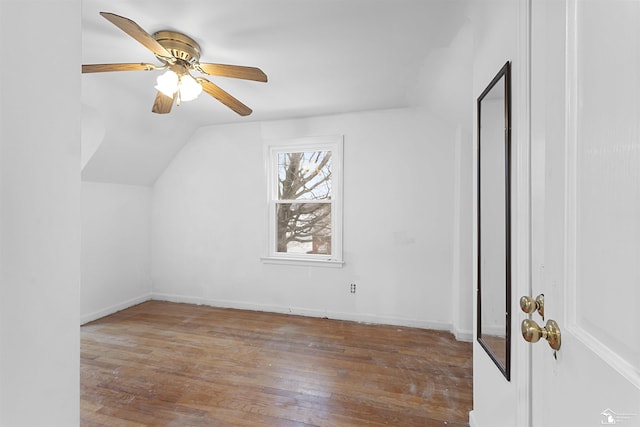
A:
x,y
335,144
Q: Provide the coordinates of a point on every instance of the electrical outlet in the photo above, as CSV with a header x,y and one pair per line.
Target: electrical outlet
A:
x,y
353,288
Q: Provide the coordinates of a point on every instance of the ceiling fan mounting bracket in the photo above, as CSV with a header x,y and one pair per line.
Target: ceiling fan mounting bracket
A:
x,y
181,46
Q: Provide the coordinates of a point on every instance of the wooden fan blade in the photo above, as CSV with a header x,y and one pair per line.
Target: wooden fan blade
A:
x,y
135,31
234,71
222,96
162,103
101,68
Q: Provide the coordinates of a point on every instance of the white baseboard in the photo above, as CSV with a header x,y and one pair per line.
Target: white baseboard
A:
x,y
90,317
472,420
466,336
354,317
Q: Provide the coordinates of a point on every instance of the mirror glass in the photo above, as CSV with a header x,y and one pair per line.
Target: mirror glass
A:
x,y
494,260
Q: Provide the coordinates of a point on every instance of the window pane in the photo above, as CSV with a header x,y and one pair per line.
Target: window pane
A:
x,y
304,176
304,228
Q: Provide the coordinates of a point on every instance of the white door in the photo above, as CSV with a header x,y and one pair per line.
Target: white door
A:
x,y
585,204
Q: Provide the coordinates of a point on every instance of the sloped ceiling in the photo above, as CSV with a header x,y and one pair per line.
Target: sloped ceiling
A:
x,y
321,57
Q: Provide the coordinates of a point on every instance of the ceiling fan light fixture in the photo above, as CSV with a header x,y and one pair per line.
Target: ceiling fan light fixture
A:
x,y
189,88
167,83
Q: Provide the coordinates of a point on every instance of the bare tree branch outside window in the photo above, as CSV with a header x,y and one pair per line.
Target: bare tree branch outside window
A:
x,y
304,202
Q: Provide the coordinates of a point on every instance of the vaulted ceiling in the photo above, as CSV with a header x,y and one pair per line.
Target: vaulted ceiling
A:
x,y
321,57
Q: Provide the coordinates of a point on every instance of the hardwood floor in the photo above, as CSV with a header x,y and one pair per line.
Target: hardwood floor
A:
x,y
167,364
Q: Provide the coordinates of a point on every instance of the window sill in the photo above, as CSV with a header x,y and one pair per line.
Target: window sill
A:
x,y
332,263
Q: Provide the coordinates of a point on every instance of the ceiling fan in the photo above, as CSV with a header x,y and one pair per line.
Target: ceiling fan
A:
x,y
180,55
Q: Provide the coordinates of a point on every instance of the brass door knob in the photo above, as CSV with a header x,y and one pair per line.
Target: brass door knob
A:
x,y
529,305
532,332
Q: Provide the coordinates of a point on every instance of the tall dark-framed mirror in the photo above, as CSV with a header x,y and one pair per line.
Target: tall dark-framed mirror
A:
x,y
494,220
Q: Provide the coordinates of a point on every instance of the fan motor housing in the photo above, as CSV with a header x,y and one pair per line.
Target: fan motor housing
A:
x,y
181,46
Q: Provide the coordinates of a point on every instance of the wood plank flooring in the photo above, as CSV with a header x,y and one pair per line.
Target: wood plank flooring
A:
x,y
167,364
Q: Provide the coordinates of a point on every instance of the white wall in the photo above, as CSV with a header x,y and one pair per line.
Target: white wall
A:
x,y
445,89
39,213
115,248
209,208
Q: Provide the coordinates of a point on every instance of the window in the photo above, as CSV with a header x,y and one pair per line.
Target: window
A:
x,y
305,201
